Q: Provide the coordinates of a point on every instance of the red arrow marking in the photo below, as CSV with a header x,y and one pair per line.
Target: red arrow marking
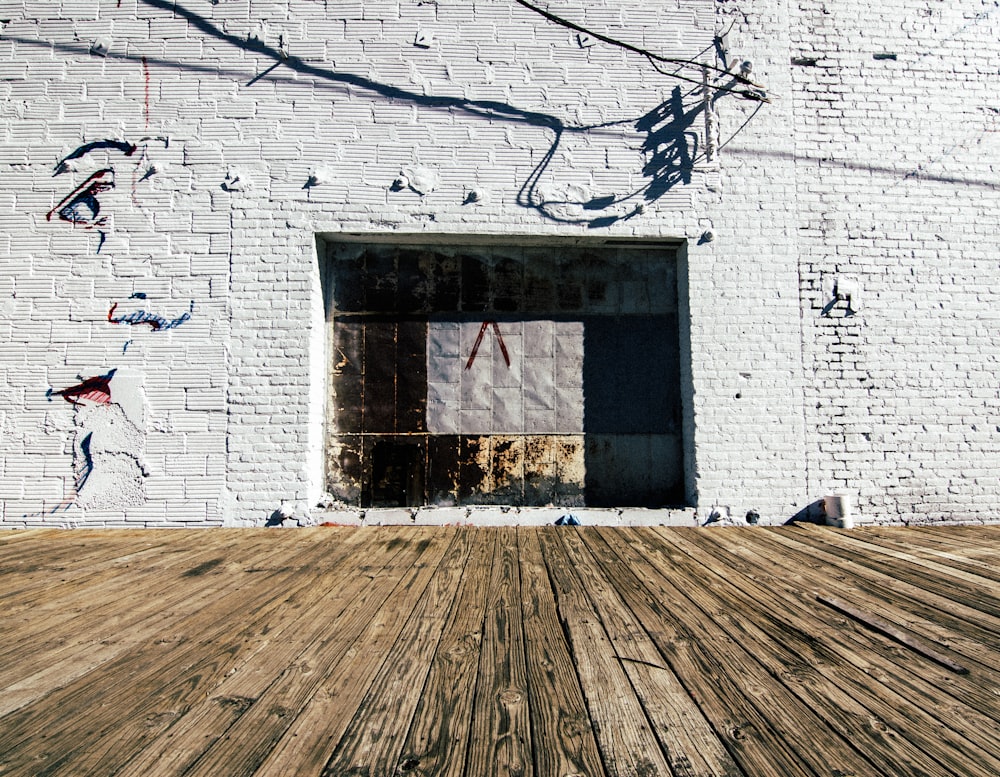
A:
x,y
479,341
503,348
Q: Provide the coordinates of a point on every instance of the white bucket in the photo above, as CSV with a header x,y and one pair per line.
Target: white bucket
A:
x,y
838,510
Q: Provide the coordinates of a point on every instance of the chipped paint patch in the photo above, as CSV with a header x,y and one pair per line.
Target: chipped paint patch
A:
x,y
107,456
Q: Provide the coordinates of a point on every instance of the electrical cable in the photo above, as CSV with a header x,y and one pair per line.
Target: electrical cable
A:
x,y
649,55
746,94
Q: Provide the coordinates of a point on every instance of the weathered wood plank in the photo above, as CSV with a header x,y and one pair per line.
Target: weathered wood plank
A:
x,y
969,632
782,659
974,539
768,566
734,694
560,723
298,723
179,665
688,739
77,631
375,739
340,577
123,646
893,632
627,741
918,545
784,637
970,590
438,738
956,539
500,742
82,593
53,567
964,702
55,547
11,536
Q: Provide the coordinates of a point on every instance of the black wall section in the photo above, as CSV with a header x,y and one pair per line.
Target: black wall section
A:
x,y
630,369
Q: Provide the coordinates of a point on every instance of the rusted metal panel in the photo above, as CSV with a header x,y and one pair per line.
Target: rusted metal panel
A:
x,y
378,392
475,283
630,369
444,469
466,375
344,470
522,470
411,376
646,467
395,466
346,376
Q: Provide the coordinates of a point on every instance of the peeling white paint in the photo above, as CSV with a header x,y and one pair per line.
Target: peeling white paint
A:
x,y
109,447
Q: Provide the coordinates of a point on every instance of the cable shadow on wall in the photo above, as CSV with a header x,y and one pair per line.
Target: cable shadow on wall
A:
x,y
670,145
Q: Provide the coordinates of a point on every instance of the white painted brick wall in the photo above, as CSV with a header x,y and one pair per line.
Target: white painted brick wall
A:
x,y
868,168
900,128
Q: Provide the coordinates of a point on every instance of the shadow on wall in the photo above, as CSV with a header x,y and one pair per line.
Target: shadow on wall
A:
x,y
671,147
811,513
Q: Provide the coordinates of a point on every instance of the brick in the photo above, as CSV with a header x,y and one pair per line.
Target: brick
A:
x,y
854,170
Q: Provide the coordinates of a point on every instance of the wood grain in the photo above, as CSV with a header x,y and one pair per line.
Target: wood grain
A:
x,y
500,736
552,651
438,738
626,739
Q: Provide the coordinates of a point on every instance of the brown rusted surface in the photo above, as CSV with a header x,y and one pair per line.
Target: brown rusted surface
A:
x,y
380,470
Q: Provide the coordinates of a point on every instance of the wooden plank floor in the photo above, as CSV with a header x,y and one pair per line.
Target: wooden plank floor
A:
x,y
557,651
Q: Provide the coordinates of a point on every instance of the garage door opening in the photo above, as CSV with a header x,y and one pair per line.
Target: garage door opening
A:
x,y
503,374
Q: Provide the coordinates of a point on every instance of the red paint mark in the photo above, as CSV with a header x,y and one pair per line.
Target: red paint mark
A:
x,y
96,389
503,347
145,73
479,341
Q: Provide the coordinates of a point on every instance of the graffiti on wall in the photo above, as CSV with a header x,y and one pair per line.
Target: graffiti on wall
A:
x,y
86,465
479,342
109,409
96,389
109,441
66,164
156,322
82,207
108,465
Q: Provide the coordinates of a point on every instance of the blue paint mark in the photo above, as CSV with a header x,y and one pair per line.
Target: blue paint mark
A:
x,y
118,145
88,462
157,322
